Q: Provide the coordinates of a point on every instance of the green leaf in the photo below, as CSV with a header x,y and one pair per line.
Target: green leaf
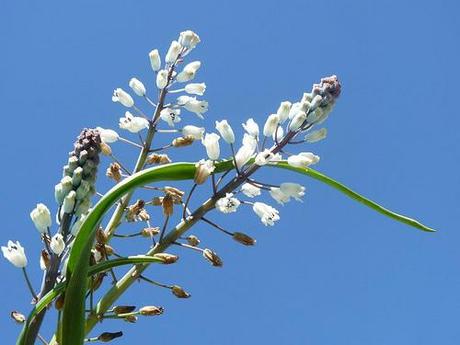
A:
x,y
78,265
95,269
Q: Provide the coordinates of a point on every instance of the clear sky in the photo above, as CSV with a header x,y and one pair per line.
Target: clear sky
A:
x,y
331,272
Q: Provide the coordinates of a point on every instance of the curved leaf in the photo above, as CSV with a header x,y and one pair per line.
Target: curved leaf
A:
x,y
95,269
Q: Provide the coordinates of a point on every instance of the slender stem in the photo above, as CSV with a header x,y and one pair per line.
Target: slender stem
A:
x,y
188,200
130,142
29,284
216,226
154,282
42,339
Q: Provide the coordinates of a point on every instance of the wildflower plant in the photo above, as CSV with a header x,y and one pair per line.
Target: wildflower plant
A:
x,y
79,257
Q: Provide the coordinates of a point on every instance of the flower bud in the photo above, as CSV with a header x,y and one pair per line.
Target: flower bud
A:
x,y
106,149
173,52
195,88
251,127
156,158
270,125
225,131
69,202
41,217
57,244
283,111
123,309
151,310
109,336
108,136
83,207
204,168
162,79
76,226
193,131
193,240
212,257
44,260
130,318
316,136
297,121
179,292
244,239
18,317
211,143
137,86
119,95
183,141
167,258
155,60
189,39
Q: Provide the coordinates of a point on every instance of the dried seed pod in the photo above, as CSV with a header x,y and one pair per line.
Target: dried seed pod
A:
x,y
114,172
123,309
101,236
179,292
151,310
44,259
167,258
130,318
156,158
150,232
137,212
212,257
157,201
109,336
244,239
193,240
18,317
183,141
168,205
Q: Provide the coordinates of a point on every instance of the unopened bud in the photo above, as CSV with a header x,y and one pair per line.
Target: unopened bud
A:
x,y
130,318
18,317
168,205
156,158
150,232
59,303
151,310
244,239
179,292
123,309
44,260
69,202
212,257
193,240
183,141
106,149
167,258
109,336
113,172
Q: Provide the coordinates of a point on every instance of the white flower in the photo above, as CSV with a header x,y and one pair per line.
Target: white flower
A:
x,y
293,190
211,143
193,131
195,88
279,196
189,39
303,160
155,60
225,131
108,136
297,121
41,217
171,116
228,204
270,125
251,127
279,134
283,111
315,102
317,135
119,95
137,86
249,140
189,71
162,79
193,105
319,115
132,123
264,157
250,190
57,244
69,202
204,168
173,52
15,254
295,108
268,215
243,155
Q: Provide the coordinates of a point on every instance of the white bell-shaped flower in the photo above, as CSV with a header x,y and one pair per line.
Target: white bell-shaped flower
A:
x,y
162,79
204,168
193,105
155,60
170,115
227,204
41,217
225,131
250,190
279,196
137,86
293,190
193,131
15,254
195,88
297,121
119,95
316,136
251,127
132,123
283,111
270,125
303,160
267,214
108,136
57,244
211,143
244,154
173,52
189,39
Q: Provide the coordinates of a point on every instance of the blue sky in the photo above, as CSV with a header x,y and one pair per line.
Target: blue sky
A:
x,y
332,271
